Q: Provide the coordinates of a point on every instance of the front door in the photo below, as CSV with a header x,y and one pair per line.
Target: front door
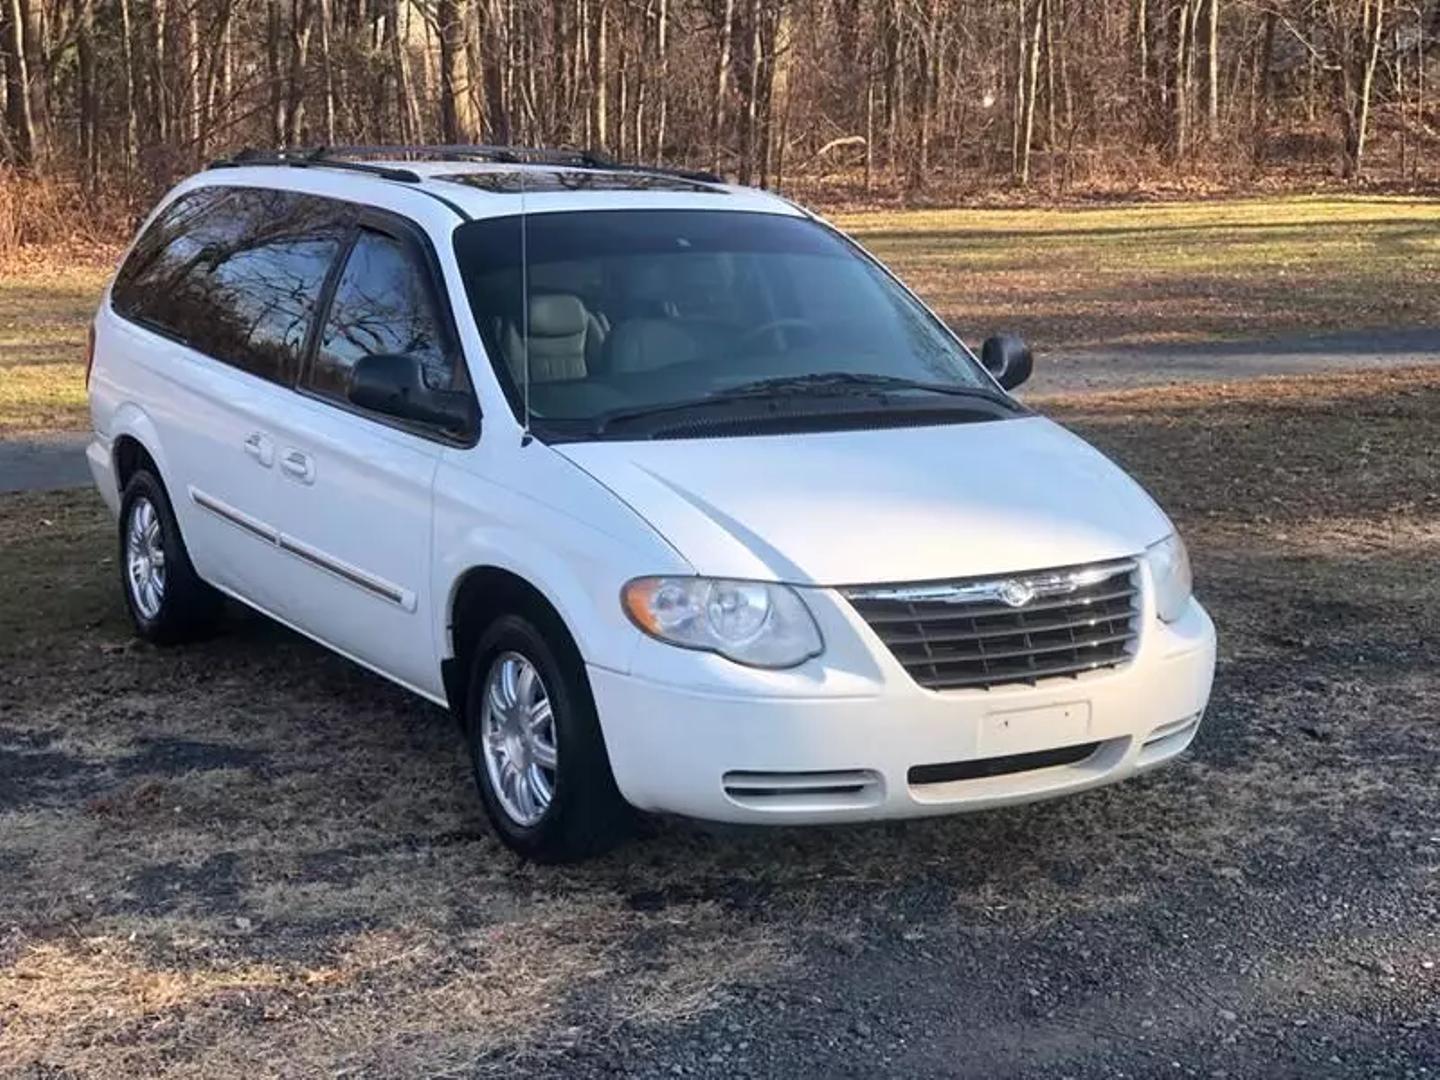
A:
x,y
354,489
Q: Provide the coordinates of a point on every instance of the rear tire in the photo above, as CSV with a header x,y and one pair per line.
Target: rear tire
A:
x,y
536,747
167,601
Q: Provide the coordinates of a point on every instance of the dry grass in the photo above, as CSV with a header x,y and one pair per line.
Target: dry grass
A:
x,y
1170,272
43,314
251,858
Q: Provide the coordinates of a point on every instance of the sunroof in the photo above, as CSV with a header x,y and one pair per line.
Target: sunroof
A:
x,y
509,181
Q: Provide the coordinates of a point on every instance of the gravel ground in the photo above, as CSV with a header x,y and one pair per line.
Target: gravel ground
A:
x,y
54,461
248,857
1081,371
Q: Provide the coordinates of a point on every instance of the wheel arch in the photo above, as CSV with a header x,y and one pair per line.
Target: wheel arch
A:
x,y
481,595
135,444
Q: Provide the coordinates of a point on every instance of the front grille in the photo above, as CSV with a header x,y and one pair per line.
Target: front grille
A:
x,y
984,632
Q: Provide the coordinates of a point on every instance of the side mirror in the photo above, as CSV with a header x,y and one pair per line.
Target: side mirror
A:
x,y
1007,358
395,385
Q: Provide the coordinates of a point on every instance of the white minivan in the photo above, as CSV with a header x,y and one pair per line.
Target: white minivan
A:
x,y
674,495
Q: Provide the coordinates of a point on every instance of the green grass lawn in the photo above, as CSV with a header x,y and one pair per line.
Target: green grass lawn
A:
x,y
1074,277
43,315
1169,272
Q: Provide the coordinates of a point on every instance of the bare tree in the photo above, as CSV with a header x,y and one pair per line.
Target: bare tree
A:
x,y
890,96
457,113
19,116
1356,30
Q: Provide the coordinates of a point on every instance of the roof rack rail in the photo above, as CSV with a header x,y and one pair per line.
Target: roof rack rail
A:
x,y
344,157
307,159
515,155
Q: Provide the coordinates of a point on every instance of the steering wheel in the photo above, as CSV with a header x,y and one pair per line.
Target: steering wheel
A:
x,y
776,327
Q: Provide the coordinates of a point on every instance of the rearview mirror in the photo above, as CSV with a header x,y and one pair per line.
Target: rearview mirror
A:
x,y
394,385
1007,358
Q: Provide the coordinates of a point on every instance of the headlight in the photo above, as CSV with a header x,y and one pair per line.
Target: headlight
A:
x,y
750,622
1170,571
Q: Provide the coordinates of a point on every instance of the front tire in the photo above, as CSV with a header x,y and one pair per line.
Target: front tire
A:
x,y
535,745
167,601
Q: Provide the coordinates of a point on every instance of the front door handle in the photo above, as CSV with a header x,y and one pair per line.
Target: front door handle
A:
x,y
299,465
259,446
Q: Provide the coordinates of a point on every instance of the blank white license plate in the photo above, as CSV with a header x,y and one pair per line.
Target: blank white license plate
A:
x,y
1018,731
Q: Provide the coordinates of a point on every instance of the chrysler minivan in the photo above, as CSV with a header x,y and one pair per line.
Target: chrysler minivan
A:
x,y
676,497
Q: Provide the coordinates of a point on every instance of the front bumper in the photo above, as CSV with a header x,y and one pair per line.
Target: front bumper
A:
x,y
843,749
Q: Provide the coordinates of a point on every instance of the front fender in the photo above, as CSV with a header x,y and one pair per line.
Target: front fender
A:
x,y
565,535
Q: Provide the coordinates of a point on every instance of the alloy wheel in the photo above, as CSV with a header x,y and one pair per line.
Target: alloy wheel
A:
x,y
145,558
517,733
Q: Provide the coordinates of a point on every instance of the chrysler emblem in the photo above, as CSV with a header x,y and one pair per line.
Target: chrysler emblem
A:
x,y
1016,593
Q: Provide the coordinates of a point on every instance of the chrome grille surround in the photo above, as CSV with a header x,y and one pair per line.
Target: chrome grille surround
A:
x,y
976,633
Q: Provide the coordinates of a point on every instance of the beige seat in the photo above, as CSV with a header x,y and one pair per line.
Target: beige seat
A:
x,y
640,345
565,340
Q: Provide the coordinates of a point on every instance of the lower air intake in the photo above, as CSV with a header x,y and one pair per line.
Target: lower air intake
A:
x,y
834,789
980,768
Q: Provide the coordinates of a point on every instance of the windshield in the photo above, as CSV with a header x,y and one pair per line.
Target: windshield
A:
x,y
633,310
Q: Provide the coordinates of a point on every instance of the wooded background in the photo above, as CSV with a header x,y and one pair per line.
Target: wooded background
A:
x,y
929,98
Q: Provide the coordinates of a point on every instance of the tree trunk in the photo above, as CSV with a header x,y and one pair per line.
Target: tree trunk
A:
x,y
37,74
1142,47
274,74
1372,29
662,92
1212,75
129,78
1017,109
407,119
301,22
1050,80
722,78
749,119
1033,81
190,75
18,114
1262,111
1180,98
870,130
89,106
212,100
327,72
780,95
497,117
599,69
457,119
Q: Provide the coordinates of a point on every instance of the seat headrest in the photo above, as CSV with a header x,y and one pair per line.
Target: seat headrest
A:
x,y
556,315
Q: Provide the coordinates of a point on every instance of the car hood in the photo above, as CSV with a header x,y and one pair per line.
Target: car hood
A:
x,y
898,504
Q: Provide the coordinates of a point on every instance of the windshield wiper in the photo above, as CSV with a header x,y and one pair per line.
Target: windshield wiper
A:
x,y
831,383
844,381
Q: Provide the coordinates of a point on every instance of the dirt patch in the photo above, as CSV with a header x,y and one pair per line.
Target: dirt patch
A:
x,y
251,857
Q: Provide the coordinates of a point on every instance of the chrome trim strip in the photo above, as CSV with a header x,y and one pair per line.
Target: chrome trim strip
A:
x,y
226,512
373,585
1000,589
376,586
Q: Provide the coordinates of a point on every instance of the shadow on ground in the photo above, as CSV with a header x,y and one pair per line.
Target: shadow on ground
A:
x,y
251,857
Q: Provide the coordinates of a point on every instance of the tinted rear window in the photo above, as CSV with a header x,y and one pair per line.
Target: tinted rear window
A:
x,y
235,273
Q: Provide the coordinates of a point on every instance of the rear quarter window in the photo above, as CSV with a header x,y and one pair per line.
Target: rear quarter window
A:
x,y
235,273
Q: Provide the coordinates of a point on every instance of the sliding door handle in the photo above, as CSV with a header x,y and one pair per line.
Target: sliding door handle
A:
x,y
259,446
298,464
